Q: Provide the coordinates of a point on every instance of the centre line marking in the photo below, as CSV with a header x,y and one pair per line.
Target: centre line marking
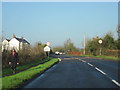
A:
x,y
100,70
83,61
90,64
116,82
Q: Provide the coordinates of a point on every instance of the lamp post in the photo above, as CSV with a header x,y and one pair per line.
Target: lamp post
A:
x,y
100,42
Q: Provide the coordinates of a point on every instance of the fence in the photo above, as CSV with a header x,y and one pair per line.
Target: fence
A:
x,y
75,53
115,53
106,52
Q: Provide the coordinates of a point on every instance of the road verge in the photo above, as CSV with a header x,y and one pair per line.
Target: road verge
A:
x,y
104,57
14,81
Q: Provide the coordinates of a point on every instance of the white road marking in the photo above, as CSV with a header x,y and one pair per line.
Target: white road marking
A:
x,y
41,76
53,66
59,59
116,82
67,58
83,61
76,58
100,70
90,64
50,68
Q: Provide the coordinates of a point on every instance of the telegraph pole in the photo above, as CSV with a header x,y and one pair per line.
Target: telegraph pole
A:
x,y
84,42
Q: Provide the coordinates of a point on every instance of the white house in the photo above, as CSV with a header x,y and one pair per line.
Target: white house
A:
x,y
5,44
15,43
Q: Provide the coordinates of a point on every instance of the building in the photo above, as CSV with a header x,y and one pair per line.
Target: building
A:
x,y
5,44
15,43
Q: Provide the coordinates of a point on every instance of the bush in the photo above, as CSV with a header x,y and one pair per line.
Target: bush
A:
x,y
114,53
27,55
6,56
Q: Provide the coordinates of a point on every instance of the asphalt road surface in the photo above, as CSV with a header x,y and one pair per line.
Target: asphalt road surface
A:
x,y
79,72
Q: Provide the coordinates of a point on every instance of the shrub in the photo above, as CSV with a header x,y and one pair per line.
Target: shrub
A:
x,y
27,55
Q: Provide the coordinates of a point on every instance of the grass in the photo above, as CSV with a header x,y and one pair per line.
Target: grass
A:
x,y
0,83
7,71
14,81
104,57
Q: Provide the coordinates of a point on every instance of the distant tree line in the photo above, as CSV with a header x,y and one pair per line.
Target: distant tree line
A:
x,y
67,47
109,47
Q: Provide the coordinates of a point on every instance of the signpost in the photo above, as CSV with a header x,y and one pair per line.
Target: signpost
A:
x,y
47,49
48,43
100,42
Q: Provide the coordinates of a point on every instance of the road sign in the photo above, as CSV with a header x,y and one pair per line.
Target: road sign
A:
x,y
48,43
47,49
100,41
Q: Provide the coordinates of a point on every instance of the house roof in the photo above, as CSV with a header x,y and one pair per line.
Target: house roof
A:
x,y
8,40
22,40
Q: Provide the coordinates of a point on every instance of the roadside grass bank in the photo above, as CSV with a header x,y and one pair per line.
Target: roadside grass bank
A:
x,y
0,83
14,81
104,57
7,71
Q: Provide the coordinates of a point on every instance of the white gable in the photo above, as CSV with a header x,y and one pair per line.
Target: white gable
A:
x,y
5,45
14,43
5,42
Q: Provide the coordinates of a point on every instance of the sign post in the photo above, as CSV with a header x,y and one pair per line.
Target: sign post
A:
x,y
48,43
100,42
47,49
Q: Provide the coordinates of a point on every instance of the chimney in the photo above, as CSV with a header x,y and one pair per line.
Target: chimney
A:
x,y
22,38
14,36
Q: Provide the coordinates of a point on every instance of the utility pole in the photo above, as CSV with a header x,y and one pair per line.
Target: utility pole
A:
x,y
84,42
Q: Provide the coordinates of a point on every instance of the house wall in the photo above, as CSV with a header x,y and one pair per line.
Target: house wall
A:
x,y
24,46
21,45
5,45
14,44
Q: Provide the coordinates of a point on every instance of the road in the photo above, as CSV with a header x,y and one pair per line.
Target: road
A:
x,y
79,72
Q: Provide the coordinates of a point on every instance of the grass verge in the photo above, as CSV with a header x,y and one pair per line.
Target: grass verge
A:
x,y
104,57
0,83
7,71
14,81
